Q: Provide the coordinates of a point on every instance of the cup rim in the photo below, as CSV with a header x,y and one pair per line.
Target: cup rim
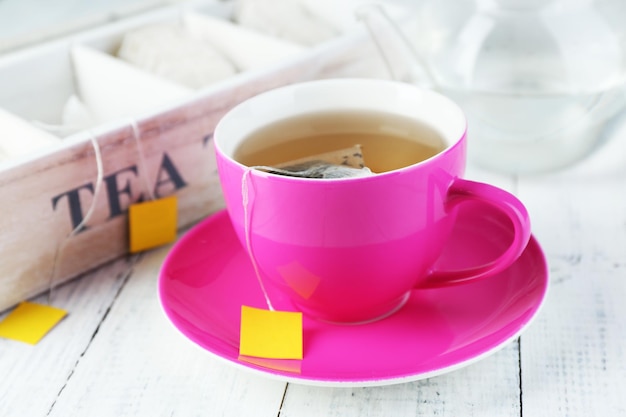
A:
x,y
267,95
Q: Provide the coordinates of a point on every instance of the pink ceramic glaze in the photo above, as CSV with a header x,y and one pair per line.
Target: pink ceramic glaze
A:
x,y
207,277
350,250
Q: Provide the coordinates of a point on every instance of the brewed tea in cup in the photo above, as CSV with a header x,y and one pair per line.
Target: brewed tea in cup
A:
x,y
350,250
387,141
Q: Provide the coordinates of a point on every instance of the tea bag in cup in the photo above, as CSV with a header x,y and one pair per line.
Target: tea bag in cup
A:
x,y
342,163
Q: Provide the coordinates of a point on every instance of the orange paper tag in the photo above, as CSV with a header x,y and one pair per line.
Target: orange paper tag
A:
x,y
30,322
152,223
293,366
270,334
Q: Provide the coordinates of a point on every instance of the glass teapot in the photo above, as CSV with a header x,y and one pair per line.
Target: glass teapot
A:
x,y
539,80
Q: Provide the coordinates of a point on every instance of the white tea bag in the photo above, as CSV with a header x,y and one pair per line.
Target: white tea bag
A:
x,y
112,89
76,115
167,50
245,48
286,19
18,137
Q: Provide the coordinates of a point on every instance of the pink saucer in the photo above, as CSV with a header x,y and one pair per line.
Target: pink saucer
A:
x,y
207,277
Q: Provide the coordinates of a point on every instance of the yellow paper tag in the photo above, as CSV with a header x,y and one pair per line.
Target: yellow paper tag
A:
x,y
270,334
30,322
152,223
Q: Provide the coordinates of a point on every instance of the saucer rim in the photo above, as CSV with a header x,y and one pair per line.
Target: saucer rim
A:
x,y
358,383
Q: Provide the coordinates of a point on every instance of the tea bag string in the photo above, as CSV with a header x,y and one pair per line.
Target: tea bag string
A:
x,y
141,158
92,207
247,219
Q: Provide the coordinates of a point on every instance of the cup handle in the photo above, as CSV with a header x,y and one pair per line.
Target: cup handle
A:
x,y
463,190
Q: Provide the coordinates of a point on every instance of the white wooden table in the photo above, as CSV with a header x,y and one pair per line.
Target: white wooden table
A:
x,y
116,354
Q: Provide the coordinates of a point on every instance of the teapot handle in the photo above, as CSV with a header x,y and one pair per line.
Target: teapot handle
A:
x,y
400,57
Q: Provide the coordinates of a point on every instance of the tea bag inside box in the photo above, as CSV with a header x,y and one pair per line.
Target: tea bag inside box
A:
x,y
343,163
307,22
18,137
247,49
75,116
293,20
169,51
111,89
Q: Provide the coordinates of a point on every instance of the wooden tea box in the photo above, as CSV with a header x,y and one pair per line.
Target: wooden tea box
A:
x,y
153,134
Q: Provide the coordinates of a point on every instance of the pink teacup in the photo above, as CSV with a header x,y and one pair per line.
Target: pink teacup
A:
x,y
351,250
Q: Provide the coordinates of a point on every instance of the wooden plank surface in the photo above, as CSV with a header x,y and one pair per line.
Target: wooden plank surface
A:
x,y
488,388
139,365
574,357
33,376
